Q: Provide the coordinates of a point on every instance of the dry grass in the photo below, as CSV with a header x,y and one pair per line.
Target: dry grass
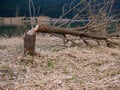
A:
x,y
58,67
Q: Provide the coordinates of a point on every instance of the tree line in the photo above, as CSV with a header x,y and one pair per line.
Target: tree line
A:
x,y
52,8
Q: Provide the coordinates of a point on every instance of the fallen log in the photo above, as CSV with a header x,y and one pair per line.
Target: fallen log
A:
x,y
30,37
61,30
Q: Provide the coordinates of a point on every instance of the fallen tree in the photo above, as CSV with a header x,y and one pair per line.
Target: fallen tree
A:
x,y
99,22
30,37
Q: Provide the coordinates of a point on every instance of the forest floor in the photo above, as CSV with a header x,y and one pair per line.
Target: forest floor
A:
x,y
58,67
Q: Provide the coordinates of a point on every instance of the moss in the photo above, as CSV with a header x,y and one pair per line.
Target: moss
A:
x,y
50,64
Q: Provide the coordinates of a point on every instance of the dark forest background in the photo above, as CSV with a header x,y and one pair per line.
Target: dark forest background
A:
x,y
52,8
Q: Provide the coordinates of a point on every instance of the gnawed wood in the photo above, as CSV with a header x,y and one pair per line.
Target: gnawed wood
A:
x,y
29,43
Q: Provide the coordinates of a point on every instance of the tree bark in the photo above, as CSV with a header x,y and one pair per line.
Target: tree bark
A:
x,y
29,43
62,30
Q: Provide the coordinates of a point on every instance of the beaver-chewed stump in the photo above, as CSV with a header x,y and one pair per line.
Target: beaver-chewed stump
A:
x,y
29,43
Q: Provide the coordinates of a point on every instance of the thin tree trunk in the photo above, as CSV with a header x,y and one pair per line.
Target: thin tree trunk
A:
x,y
75,31
71,31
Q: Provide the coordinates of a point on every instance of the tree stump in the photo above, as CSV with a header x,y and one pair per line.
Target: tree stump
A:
x,y
29,43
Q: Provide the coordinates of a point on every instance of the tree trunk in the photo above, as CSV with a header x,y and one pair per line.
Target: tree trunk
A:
x,y
71,31
29,43
75,31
